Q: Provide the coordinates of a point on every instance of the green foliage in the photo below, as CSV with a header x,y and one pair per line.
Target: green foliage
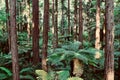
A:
x,y
5,59
6,70
117,30
116,44
90,54
63,75
5,73
117,54
27,73
2,17
24,44
58,59
3,76
74,78
72,46
22,36
26,77
62,56
3,36
58,75
26,70
42,75
116,13
65,54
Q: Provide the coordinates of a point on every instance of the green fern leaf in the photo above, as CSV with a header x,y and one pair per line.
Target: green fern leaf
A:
x,y
42,75
74,78
27,77
63,75
26,70
6,71
3,76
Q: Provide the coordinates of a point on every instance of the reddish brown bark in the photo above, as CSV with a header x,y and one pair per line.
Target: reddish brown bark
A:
x,y
45,35
80,23
35,33
75,20
69,17
8,22
62,21
109,39
55,44
13,32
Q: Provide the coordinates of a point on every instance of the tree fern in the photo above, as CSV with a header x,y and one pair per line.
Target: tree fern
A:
x,y
68,52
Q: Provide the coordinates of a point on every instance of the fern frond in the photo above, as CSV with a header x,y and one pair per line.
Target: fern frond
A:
x,y
26,77
74,78
63,75
28,69
9,73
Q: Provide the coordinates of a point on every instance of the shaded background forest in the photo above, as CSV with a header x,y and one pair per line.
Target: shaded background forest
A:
x,y
52,40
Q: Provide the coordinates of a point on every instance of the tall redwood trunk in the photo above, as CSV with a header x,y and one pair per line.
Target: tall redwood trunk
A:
x,y
13,32
109,39
45,35
69,17
35,33
8,22
75,20
80,23
7,15
62,20
55,44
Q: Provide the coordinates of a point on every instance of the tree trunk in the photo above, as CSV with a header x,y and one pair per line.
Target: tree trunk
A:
x,y
13,32
75,20
62,20
8,22
7,16
102,35
28,19
77,64
69,17
109,39
80,23
35,33
97,33
97,41
17,13
45,35
55,44
19,10
53,15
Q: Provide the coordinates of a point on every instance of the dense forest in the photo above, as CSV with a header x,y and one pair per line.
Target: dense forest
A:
x,y
59,39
